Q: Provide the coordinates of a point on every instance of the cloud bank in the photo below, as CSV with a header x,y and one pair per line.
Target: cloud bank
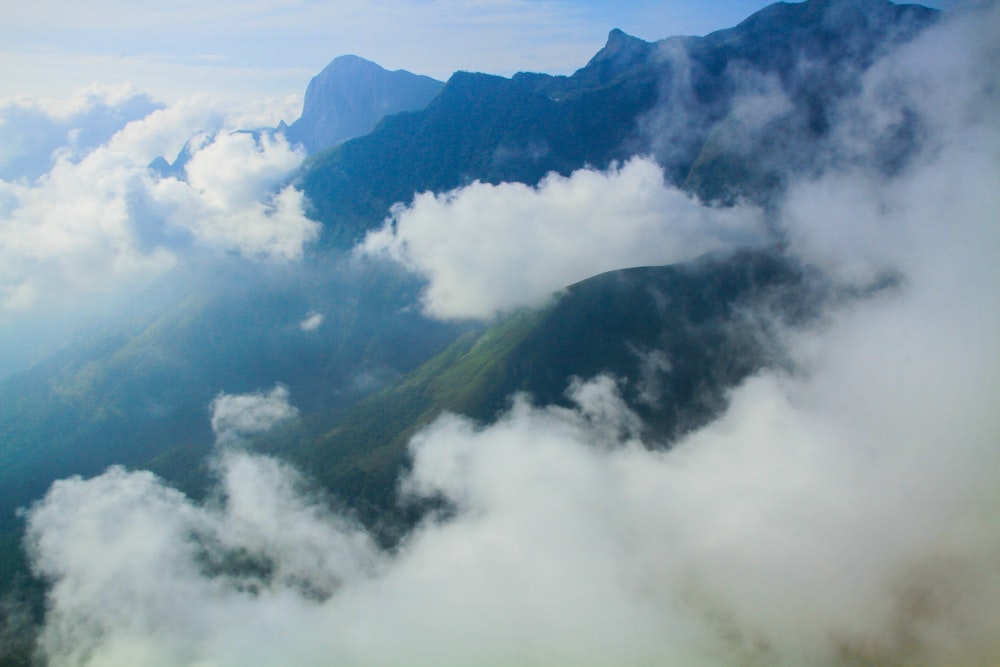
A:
x,y
486,249
89,217
841,514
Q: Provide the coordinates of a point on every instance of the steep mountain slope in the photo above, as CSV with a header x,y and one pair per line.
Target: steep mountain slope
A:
x,y
666,98
675,337
350,96
137,392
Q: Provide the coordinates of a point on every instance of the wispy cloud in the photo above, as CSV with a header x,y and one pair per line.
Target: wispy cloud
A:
x,y
34,134
313,320
237,416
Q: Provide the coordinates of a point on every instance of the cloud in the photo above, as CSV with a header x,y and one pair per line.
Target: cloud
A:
x,y
818,522
312,321
228,199
839,514
487,248
141,590
34,134
98,220
236,416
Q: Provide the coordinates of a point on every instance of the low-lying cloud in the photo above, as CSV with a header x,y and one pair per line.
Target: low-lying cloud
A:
x,y
845,517
237,416
485,249
312,321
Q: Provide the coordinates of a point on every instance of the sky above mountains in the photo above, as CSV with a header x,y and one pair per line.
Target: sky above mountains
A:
x,y
270,49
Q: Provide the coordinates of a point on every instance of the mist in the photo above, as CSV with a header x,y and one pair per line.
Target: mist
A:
x,y
86,225
841,511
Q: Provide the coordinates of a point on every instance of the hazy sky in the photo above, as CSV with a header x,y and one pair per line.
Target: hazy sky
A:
x,y
270,48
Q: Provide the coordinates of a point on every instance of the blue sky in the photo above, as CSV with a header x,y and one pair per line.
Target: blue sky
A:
x,y
270,48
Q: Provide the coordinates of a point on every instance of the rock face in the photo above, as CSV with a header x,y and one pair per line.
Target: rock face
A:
x,y
350,96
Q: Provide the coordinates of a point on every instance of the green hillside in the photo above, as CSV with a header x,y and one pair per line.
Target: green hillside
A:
x,y
673,335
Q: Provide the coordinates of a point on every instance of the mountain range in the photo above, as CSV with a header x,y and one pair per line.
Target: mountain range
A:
x,y
374,369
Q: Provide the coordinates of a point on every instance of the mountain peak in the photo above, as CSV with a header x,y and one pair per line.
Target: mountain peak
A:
x,y
620,42
621,52
349,60
616,38
351,95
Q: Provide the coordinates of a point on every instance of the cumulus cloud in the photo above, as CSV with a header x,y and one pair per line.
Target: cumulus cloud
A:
x,y
236,416
226,199
841,514
98,219
157,576
486,249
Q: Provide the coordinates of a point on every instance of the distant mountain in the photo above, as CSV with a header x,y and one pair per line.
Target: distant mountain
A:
x,y
346,100
350,96
672,99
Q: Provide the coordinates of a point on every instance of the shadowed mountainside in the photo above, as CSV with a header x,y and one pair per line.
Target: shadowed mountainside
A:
x,y
678,99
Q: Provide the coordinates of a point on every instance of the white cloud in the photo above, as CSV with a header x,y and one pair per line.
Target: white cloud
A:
x,y
236,416
97,220
72,233
226,200
844,514
139,593
34,134
819,521
313,320
490,248
230,198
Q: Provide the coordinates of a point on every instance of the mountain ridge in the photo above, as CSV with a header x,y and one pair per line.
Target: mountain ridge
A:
x,y
633,97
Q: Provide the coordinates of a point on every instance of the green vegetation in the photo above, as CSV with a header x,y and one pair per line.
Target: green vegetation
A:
x,y
688,316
